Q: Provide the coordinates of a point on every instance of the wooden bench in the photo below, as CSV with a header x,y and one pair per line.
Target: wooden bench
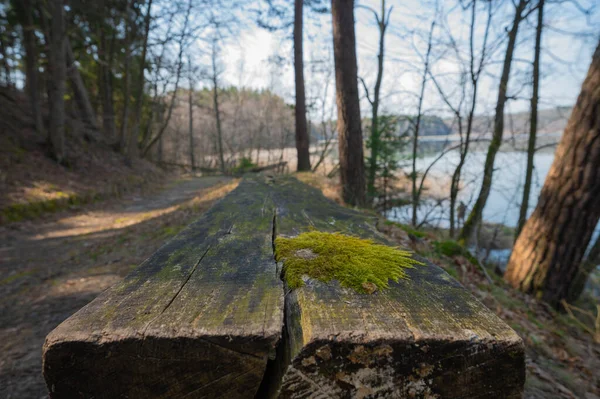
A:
x,y
206,317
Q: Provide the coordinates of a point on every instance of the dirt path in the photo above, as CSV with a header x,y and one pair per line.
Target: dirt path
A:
x,y
50,269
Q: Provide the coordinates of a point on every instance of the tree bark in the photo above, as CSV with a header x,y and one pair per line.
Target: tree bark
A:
x,y
533,120
476,213
547,254
31,64
302,137
352,164
58,72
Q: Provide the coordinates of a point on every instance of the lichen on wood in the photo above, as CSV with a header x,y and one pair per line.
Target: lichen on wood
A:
x,y
356,263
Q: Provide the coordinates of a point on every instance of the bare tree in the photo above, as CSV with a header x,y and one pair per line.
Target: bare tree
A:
x,y
416,193
147,142
473,70
533,119
352,164
382,20
476,213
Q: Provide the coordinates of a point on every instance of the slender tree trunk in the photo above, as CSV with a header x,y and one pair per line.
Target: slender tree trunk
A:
x,y
476,213
475,73
375,136
31,65
58,73
533,121
148,145
352,163
159,155
105,61
585,268
123,131
192,161
215,81
302,137
546,256
416,193
79,90
132,142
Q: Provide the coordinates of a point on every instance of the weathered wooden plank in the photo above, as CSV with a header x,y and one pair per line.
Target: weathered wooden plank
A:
x,y
424,337
199,318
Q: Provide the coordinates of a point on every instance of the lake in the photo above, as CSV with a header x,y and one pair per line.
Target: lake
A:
x,y
507,186
505,197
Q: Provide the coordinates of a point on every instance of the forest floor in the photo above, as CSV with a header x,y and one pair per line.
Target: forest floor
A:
x,y
52,267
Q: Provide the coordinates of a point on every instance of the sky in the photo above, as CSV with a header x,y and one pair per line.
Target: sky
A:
x,y
568,43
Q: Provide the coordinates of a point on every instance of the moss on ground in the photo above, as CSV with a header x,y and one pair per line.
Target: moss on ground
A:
x,y
407,229
30,210
356,263
452,248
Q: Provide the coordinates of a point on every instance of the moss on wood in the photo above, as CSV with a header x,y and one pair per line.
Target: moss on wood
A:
x,y
356,263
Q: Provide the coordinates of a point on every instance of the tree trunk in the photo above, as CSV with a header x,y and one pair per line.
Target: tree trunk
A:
x,y
551,245
123,132
79,90
215,79
302,137
31,65
58,74
148,145
475,73
416,193
476,213
375,139
192,161
132,142
533,120
587,266
105,64
352,164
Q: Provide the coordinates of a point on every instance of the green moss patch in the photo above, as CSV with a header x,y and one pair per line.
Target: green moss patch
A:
x,y
356,263
407,229
452,248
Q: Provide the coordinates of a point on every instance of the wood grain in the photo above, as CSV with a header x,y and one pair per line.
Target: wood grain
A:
x,y
199,318
204,318
425,337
